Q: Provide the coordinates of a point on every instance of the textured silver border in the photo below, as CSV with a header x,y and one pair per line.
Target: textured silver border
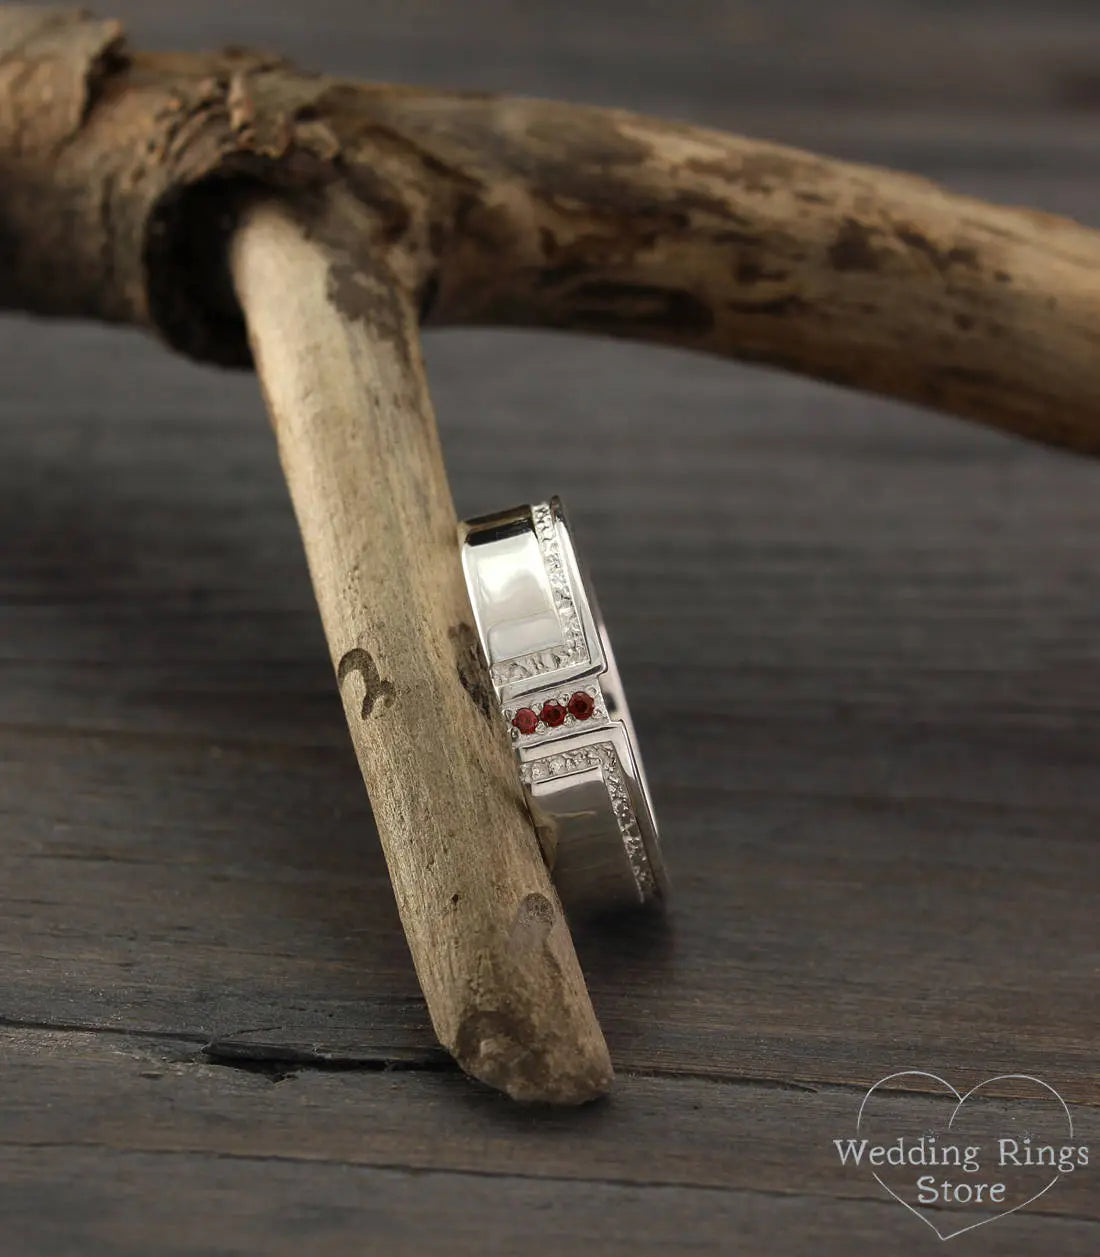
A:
x,y
574,650
602,756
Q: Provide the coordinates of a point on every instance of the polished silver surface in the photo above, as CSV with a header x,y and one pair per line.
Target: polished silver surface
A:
x,y
560,692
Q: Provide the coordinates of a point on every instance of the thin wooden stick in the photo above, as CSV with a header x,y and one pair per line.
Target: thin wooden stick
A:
x,y
336,348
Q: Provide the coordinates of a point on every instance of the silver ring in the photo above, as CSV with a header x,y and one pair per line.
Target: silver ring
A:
x,y
559,690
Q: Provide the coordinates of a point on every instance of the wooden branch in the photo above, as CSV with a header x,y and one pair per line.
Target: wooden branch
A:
x,y
512,211
602,221
336,348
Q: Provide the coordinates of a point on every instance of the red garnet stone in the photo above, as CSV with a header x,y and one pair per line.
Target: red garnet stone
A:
x,y
553,714
581,705
525,720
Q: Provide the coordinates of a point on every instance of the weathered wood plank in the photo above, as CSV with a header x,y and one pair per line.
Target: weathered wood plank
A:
x,y
876,767
93,1118
196,1206
807,930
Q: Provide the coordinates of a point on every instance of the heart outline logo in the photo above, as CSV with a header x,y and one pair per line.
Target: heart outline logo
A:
x,y
960,1101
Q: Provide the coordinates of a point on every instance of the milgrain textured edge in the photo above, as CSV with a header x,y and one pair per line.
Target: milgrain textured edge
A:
x,y
602,756
574,649
336,349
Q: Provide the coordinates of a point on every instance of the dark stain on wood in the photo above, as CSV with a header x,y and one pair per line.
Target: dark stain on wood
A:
x,y
370,299
394,217
966,375
376,688
761,172
788,304
490,1042
729,235
590,142
852,249
709,168
941,259
533,921
590,193
490,227
439,236
427,297
752,271
610,302
555,276
755,171
473,669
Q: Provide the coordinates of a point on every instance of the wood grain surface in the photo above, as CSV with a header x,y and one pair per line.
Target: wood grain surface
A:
x,y
862,646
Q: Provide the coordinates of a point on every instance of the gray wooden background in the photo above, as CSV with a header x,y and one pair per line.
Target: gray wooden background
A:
x,y
863,649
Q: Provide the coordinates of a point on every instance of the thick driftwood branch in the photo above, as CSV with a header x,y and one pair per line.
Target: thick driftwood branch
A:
x,y
336,348
511,211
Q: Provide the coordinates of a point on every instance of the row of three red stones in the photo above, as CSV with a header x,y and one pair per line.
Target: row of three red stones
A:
x,y
580,707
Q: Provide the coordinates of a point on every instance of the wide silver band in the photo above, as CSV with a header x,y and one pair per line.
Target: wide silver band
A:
x,y
559,689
